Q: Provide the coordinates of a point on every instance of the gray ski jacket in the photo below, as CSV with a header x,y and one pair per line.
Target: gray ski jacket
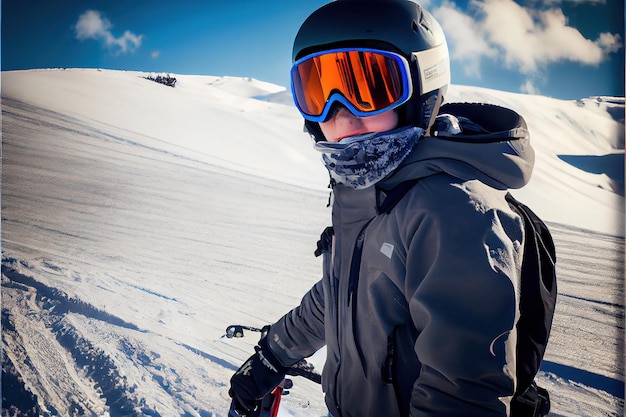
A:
x,y
418,305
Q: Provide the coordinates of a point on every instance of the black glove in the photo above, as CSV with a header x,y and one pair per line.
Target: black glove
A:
x,y
256,378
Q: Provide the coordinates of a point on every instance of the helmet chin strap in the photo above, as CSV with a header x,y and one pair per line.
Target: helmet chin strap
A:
x,y
420,111
313,129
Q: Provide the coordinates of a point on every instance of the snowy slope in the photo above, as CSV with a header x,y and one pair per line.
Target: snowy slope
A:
x,y
139,220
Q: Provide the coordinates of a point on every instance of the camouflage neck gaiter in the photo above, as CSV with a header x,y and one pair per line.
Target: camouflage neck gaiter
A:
x,y
363,160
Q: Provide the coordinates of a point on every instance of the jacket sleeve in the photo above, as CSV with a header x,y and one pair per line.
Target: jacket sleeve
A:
x,y
462,269
300,333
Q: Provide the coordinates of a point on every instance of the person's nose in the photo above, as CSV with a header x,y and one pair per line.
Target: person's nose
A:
x,y
344,117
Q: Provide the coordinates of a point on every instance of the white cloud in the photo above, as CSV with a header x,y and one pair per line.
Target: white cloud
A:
x,y
92,25
558,2
530,39
529,87
525,39
155,54
467,42
609,43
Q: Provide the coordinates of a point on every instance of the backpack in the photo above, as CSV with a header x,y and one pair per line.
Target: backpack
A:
x,y
538,291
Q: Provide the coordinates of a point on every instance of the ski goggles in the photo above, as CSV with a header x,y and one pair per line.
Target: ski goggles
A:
x,y
366,81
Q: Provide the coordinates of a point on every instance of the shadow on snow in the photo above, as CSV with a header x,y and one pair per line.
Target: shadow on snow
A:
x,y
612,386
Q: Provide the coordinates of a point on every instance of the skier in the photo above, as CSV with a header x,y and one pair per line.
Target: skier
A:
x,y
418,303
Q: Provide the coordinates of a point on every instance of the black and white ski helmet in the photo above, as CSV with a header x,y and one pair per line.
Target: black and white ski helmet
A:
x,y
400,26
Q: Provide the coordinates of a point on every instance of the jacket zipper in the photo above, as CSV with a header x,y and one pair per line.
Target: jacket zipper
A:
x,y
353,284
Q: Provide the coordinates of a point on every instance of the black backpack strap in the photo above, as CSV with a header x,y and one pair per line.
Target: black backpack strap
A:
x,y
324,244
395,195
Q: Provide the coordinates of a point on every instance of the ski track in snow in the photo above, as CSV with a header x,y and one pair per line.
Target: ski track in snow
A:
x,y
125,259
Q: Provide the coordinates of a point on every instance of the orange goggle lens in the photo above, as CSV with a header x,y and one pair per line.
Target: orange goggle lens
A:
x,y
366,81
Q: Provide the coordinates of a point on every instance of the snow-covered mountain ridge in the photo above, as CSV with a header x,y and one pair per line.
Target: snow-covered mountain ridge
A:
x,y
252,126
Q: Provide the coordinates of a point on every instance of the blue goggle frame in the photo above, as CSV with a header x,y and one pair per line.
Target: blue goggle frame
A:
x,y
346,75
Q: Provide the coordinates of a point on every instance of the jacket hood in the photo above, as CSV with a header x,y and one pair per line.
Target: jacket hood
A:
x,y
472,141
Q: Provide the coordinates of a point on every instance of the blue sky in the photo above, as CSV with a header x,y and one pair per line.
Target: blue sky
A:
x,y
560,48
